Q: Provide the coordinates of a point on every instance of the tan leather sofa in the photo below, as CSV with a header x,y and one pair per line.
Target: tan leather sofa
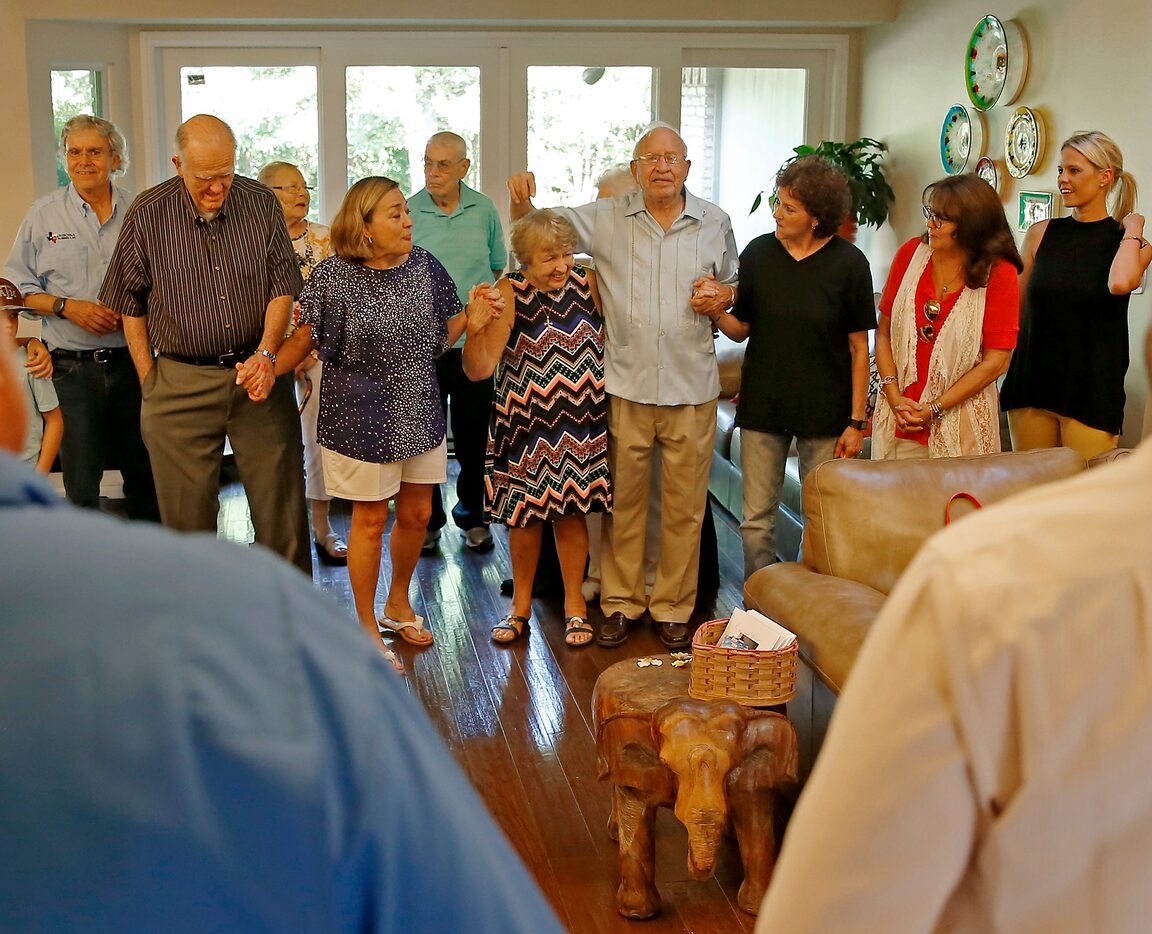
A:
x,y
864,522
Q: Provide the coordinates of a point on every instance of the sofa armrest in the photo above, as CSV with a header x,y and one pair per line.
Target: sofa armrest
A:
x,y
830,615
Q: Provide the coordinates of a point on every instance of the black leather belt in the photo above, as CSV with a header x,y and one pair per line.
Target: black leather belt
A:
x,y
100,354
228,360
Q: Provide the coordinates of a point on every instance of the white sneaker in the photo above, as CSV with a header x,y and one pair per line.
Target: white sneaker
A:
x,y
590,589
478,538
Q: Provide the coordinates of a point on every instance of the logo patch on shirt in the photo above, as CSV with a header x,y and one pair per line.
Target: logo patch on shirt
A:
x,y
57,237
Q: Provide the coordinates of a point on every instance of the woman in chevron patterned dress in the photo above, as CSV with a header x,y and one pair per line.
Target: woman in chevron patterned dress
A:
x,y
547,460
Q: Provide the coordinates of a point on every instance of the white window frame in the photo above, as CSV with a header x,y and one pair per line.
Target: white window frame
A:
x,y
503,58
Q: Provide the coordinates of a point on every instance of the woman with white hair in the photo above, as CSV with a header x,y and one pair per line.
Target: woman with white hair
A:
x,y
1065,385
311,243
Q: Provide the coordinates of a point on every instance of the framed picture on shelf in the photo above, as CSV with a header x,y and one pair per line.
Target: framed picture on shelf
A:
x,y
1034,206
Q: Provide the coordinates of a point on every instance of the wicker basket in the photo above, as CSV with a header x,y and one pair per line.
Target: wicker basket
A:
x,y
758,679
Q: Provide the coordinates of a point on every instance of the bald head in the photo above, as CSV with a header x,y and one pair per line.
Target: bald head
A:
x,y
206,160
452,142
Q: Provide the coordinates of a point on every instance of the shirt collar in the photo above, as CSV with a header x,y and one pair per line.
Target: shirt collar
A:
x,y
186,199
693,206
425,204
119,200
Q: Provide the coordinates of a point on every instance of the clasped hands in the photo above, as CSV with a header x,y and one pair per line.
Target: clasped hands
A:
x,y
710,297
485,305
911,415
257,376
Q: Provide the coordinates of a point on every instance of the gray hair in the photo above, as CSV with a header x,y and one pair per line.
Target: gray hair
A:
x,y
449,139
106,128
652,128
618,179
266,173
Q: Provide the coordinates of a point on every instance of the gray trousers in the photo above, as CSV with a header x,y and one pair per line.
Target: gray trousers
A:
x,y
184,415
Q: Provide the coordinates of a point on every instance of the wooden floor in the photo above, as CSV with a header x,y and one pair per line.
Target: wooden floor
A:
x,y
517,718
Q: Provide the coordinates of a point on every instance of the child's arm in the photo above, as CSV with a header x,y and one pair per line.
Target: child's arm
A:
x,y
50,443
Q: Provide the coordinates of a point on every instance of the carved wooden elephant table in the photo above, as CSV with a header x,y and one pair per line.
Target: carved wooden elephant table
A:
x,y
711,761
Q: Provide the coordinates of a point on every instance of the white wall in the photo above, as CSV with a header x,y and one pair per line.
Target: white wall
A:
x,y
1091,68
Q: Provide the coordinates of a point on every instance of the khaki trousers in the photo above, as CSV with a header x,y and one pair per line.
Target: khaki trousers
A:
x,y
185,413
684,435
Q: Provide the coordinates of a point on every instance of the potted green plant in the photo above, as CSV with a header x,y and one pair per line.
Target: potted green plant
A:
x,y
860,162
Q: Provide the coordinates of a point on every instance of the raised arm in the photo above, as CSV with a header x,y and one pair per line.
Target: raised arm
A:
x,y
1132,257
521,191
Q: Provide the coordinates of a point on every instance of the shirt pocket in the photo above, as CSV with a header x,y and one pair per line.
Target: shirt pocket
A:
x,y
63,266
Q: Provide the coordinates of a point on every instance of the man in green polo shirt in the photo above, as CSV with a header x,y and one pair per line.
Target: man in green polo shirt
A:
x,y
460,227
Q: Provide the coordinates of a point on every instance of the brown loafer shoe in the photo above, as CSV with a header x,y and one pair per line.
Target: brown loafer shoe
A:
x,y
613,631
674,635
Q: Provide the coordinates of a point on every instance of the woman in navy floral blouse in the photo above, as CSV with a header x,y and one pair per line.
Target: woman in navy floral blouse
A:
x,y
379,313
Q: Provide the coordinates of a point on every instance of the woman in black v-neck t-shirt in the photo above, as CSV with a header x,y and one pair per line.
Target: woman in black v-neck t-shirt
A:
x,y
1065,385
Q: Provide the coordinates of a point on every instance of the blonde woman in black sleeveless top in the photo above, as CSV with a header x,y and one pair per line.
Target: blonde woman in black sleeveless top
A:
x,y
1065,385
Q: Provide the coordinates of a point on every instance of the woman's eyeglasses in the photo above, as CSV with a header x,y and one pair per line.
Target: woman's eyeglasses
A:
x,y
931,311
296,188
936,220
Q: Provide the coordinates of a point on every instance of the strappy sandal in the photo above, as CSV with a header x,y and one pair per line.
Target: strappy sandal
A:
x,y
577,626
414,632
512,626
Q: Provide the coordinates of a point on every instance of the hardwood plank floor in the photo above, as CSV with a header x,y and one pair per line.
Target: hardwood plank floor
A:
x,y
518,720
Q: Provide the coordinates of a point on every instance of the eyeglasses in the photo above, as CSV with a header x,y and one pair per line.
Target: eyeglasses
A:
x,y
936,220
653,158
931,311
292,187
443,165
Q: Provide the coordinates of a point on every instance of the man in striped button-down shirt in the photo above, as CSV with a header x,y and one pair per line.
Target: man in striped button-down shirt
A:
x,y
205,276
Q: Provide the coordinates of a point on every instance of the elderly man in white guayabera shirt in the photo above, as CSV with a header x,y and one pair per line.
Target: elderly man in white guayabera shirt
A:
x,y
662,254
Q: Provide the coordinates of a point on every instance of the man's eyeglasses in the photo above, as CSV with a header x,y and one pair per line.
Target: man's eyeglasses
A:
x,y
931,311
653,158
933,218
292,187
443,165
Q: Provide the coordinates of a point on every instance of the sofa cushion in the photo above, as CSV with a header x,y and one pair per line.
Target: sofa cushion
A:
x,y
725,425
865,520
729,361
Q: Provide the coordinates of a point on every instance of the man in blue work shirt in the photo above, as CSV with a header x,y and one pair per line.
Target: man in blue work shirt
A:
x,y
58,262
461,228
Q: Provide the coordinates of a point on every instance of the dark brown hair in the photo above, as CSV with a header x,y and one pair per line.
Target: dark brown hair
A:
x,y
982,230
821,187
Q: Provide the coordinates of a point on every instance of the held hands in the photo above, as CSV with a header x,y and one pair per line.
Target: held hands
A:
x,y
521,187
910,415
485,305
39,362
92,316
256,376
709,297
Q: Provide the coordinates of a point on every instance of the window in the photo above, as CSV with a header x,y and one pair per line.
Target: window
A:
x,y
741,124
74,92
271,109
582,121
392,110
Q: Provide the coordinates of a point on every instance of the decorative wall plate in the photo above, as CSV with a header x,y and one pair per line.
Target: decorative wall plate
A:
x,y
1023,142
988,170
961,138
995,63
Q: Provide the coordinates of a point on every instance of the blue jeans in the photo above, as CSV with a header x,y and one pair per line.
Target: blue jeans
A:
x,y
764,456
100,405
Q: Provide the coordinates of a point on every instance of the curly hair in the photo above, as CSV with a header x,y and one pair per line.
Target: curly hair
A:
x,y
539,230
982,230
348,240
821,187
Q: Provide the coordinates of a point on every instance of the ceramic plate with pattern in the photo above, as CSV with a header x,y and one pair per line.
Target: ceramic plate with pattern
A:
x,y
995,63
961,138
1022,142
988,170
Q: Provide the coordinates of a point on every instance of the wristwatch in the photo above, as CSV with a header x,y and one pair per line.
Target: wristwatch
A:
x,y
267,353
58,307
858,423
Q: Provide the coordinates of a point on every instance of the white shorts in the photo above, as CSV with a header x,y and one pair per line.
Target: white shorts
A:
x,y
351,479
